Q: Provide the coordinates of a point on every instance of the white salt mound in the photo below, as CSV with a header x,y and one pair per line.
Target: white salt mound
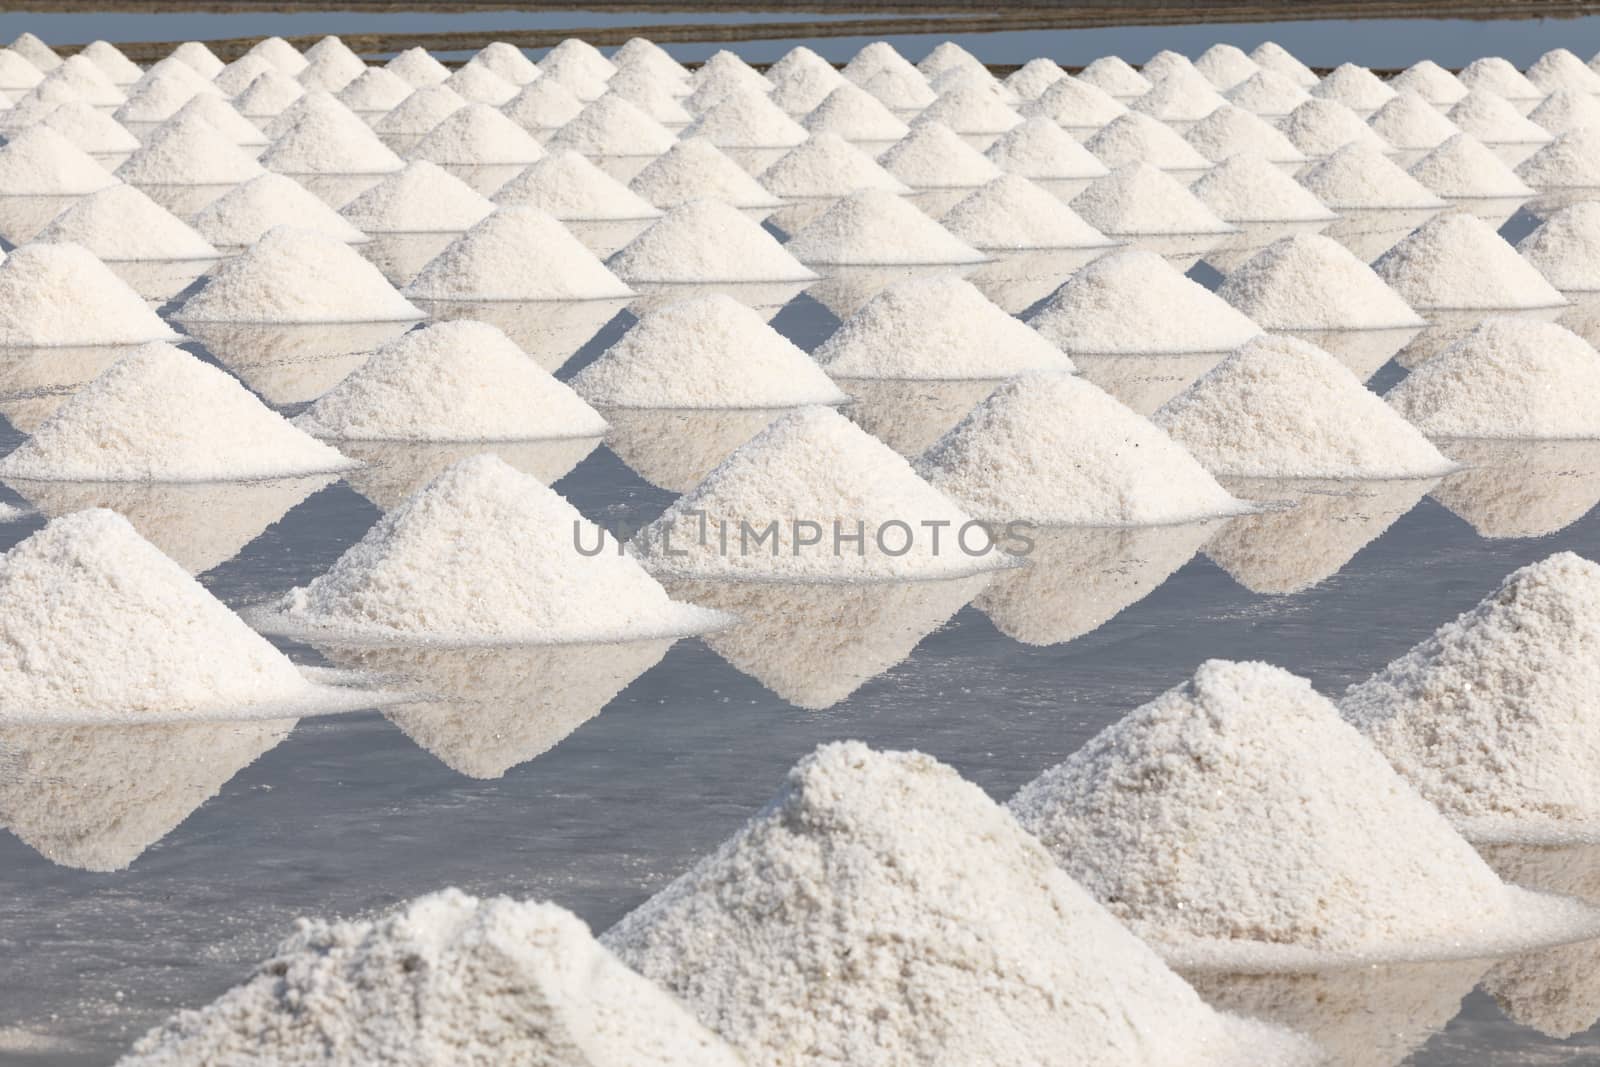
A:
x,y
1430,82
932,329
60,294
327,138
902,90
651,97
933,156
1012,213
1463,168
827,165
1410,122
1492,74
38,161
91,130
244,214
1281,408
1076,104
762,938
517,253
508,61
1267,93
188,150
1246,187
418,67
484,553
16,72
1183,96
1136,303
970,109
1509,377
707,241
545,104
1053,449
475,81
855,116
803,88
567,186
279,53
706,352
422,198
450,381
121,223
1031,79
158,414
1457,261
223,118
1565,110
1139,200
98,620
375,90
1494,120
1485,717
723,77
268,95
420,112
1113,75
1565,248
1571,161
1293,830
1230,130
1322,127
1042,150
236,77
527,981
477,135
32,48
1138,138
874,227
613,127
86,82
1311,282
1269,55
1225,65
1356,178
1560,69
196,55
1355,87
297,276
696,169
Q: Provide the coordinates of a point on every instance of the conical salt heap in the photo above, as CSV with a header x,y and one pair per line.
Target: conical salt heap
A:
x,y
297,276
32,48
1483,270
1140,201
1267,94
475,81
802,87
86,82
1237,819
1566,110
268,96
695,169
1180,97
1560,69
510,62
330,65
1462,168
41,162
763,939
1487,717
747,119
422,198
903,90
1225,65
651,96
196,55
376,92
327,138
1429,82
485,554
31,107
827,165
935,329
112,63
854,115
574,1004
933,156
1269,55
280,54
1322,127
450,381
567,186
124,630
420,112
1410,122
1357,178
188,150
1571,161
1566,248
1310,282
1053,449
60,294
121,223
517,253
969,109
1135,303
641,53
1494,120
1014,214
1282,408
1246,187
1113,75
1041,150
707,241
874,227
159,414
159,94
477,135
1356,87
225,119
722,76
1135,138
244,214
1509,377
418,67
613,127
544,104
91,130
16,73
1230,130
1492,74
1030,80
1077,105
874,58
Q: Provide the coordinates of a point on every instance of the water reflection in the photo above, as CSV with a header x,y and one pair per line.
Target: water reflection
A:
x,y
551,331
396,469
1015,282
293,364
675,448
907,414
34,381
1555,991
1145,382
1520,488
1362,351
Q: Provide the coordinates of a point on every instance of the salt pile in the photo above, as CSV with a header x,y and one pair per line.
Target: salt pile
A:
x,y
1030,80
91,130
1310,282
1409,122
188,150
1014,214
747,120
1137,138
903,90
280,54
1076,104
1268,94
1486,717
330,66
613,127
159,95
295,275
1269,55
327,138
517,253
1053,449
236,77
1296,835
31,107
1457,261
1322,127
422,198
1463,168
696,169
1566,248
854,115
244,214
1358,178
721,77
1135,303
874,227
38,161
706,352
418,67
60,294
513,65
196,55
1225,66
938,328
1229,131
112,63
1429,81
947,56
761,939
1571,161
707,241
1112,75
1492,74
1357,88
802,87
222,117
641,53
98,620
1565,110
375,90
1139,200
267,96
1493,120
16,73
450,381
967,109
159,414
420,112
85,81
477,135
1166,63
32,48
1509,377
827,166
1180,97
933,156
511,573
1041,150
567,186
650,96
543,105
121,223
476,82
1247,188
1560,69
1281,408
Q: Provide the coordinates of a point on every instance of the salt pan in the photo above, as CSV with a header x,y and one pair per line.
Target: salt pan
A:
x,y
188,150
1457,261
376,90
418,67
420,112
91,130
747,120
1185,96
1408,121
1358,178
1134,138
1571,161
243,214
327,138
1493,120
1566,110
1357,88
1229,131
827,166
1430,82
1113,75
60,294
696,169
854,115
543,105
1076,104
268,95
517,253
1463,168
1225,65
1310,282
1269,55
476,82
970,110
1566,248
1014,214
567,186
1042,150
874,227
120,223
1247,188
295,275
933,156
1139,200
41,162
1322,127
477,135
704,241
1267,93
613,127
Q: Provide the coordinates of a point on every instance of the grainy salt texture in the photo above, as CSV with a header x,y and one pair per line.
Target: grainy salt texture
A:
x,y
91,130
825,166
1245,187
60,294
38,161
1492,74
1294,831
510,62
567,186
418,67
613,127
1429,81
1565,110
1166,63
1566,248
1030,80
1356,87
1322,127
1311,282
1269,55
1225,65
1571,161
1456,261
16,72
330,70
1230,130
1267,93
160,94
1184,96
1487,716
802,87
484,553
945,56
874,227
1281,408
939,328
798,58
722,76
327,138
967,109
1560,69
188,150
523,979
32,107
1042,150
543,105
236,77
375,89
121,223
279,53
1053,449
296,275
873,57
225,119
268,95
1494,120
1014,214
762,939
1076,104
1408,121
33,48
696,169
476,82
421,111
651,96
1508,377
854,115
640,53
1358,178
196,55
243,214
1113,75
516,253
450,381
705,241
98,620
1463,168
159,414
86,82
933,156
707,352
747,120
1137,138
477,135
904,90
1139,200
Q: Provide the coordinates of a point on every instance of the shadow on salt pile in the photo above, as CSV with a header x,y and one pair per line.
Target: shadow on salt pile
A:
x,y
1520,488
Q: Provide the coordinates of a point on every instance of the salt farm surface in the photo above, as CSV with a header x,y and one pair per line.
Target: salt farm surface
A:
x,y
349,816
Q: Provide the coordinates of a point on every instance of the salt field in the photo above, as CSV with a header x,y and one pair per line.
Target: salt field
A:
x,y
886,551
